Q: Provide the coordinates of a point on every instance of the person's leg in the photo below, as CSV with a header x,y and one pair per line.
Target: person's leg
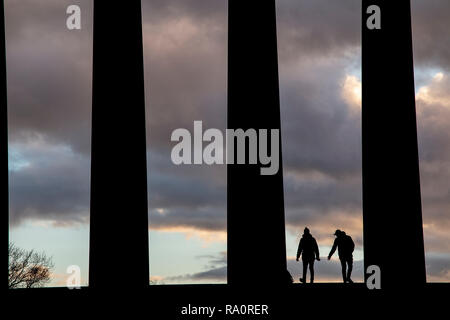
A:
x,y
350,268
305,266
344,274
311,270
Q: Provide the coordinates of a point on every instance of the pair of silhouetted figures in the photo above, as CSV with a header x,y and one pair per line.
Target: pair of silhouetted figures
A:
x,y
309,250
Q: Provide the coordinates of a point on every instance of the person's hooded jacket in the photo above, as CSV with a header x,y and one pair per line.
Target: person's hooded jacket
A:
x,y
308,248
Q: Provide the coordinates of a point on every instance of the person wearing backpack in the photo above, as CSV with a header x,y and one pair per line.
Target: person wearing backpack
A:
x,y
345,245
309,251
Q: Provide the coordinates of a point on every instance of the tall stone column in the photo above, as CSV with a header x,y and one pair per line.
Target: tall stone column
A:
x,y
393,235
119,214
256,229
4,198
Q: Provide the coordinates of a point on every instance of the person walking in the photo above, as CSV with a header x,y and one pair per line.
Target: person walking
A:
x,y
309,251
345,246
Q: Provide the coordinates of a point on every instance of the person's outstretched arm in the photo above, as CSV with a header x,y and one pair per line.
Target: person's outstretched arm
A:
x,y
300,249
332,249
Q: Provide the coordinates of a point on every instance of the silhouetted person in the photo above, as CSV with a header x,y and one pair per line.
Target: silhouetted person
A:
x,y
309,251
345,246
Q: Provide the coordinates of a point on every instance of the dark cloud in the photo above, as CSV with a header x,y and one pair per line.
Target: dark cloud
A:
x,y
191,196
318,29
433,102
431,42
438,267
49,72
200,10
320,131
48,182
216,270
49,103
215,260
210,218
185,56
216,274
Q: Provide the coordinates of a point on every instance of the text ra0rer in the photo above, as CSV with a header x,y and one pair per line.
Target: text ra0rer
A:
x,y
243,309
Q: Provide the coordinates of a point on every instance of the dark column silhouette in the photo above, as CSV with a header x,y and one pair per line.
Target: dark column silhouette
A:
x,y
393,235
256,230
4,200
119,217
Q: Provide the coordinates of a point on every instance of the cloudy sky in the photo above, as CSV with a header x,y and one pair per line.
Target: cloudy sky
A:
x,y
185,55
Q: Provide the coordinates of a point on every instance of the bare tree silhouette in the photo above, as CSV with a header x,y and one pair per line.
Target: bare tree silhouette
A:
x,y
27,269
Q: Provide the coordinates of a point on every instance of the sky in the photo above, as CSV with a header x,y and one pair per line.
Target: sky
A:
x,y
185,56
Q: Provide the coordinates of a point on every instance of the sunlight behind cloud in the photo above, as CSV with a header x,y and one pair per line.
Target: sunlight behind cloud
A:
x,y
435,92
207,237
351,92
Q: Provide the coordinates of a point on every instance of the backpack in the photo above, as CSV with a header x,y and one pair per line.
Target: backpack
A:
x,y
350,244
